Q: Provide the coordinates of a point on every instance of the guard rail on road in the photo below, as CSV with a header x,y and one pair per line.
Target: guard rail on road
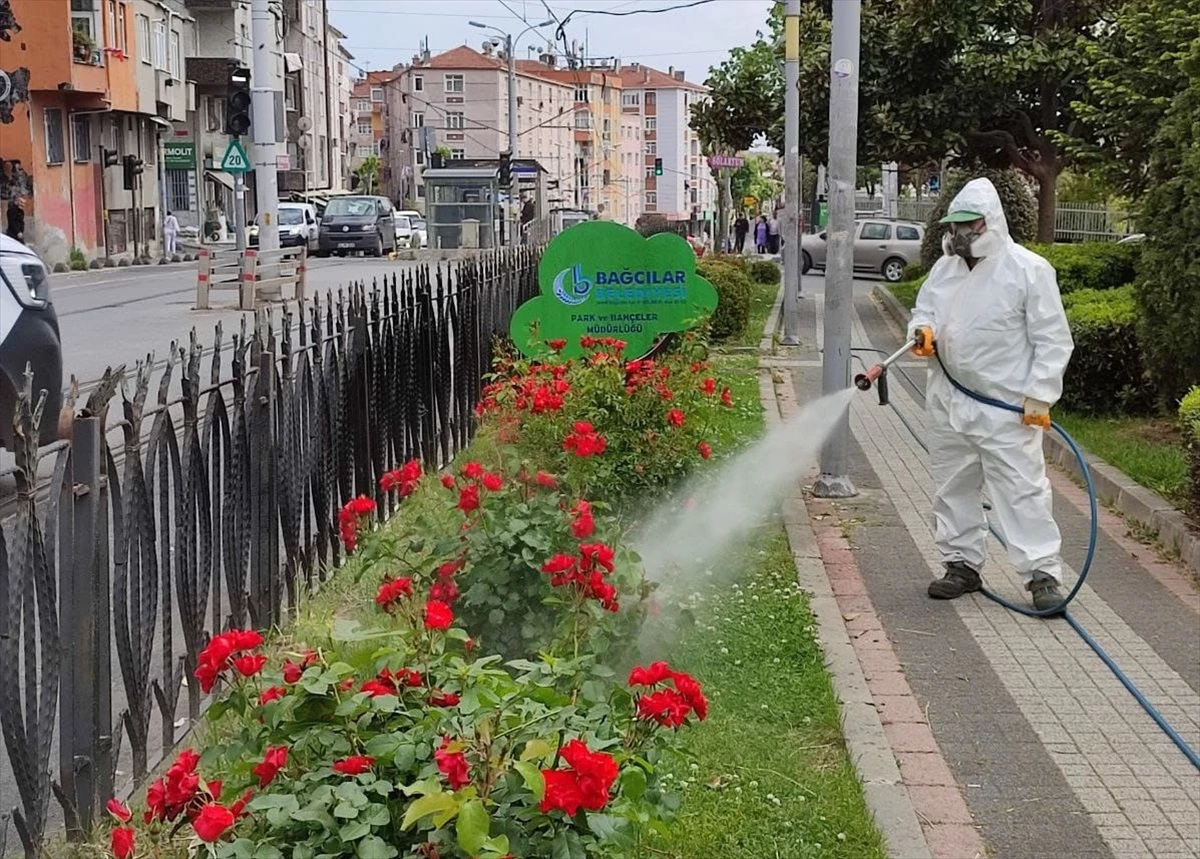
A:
x,y
257,275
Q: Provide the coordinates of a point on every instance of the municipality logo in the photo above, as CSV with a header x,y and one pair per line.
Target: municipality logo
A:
x,y
579,288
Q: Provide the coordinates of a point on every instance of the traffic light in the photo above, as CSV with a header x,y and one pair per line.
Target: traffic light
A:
x,y
237,101
657,166
505,169
108,157
132,167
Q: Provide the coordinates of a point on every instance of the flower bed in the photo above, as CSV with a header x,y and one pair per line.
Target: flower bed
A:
x,y
491,706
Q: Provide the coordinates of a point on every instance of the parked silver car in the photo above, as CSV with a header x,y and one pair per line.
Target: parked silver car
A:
x,y
880,247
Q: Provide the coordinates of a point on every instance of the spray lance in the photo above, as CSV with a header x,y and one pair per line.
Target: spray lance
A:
x,y
921,344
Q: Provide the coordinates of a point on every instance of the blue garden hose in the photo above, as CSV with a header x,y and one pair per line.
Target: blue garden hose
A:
x,y
1150,709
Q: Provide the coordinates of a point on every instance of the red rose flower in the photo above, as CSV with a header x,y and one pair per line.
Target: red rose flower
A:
x,y
213,821
250,665
709,386
273,693
391,591
444,699
583,525
562,793
586,785
246,639
473,470
122,842
597,554
562,569
292,672
651,675
675,417
354,765
119,810
727,397
444,591
492,482
690,689
557,344
239,805
379,687
448,481
705,449
547,481
666,706
438,615
453,764
273,761
468,498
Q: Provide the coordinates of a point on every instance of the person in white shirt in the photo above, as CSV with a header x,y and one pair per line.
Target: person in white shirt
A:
x,y
170,233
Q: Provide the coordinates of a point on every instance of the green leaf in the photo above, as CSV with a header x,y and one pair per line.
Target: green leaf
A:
x,y
374,847
378,815
633,783
497,846
534,780
609,828
441,806
345,811
472,826
422,788
243,848
382,745
566,845
406,756
266,802
537,750
354,831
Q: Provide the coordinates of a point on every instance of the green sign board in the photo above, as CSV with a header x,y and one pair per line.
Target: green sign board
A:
x,y
235,160
179,155
603,279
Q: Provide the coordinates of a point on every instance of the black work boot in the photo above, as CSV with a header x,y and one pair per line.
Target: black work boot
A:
x,y
959,579
1044,590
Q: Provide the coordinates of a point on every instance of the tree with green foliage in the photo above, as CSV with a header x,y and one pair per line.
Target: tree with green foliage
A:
x,y
368,173
1134,70
758,177
1168,286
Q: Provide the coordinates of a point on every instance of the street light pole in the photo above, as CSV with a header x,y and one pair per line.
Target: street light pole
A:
x,y
263,97
834,481
791,175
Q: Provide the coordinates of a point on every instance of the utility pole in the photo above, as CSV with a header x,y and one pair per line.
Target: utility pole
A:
x,y
834,481
514,210
263,109
791,175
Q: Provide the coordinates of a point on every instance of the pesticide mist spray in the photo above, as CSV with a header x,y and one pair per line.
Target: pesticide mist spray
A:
x,y
690,533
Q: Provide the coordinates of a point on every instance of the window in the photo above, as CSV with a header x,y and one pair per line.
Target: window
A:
x,y
173,64
651,147
454,83
454,120
651,123
583,119
651,198
908,234
81,137
160,44
216,113
418,119
122,44
420,157
581,93
364,126
179,191
363,106
143,38
418,83
607,178
631,99
54,135
377,94
876,232
457,154
651,99
110,21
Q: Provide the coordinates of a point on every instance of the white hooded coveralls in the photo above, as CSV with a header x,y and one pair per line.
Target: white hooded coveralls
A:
x,y
1001,331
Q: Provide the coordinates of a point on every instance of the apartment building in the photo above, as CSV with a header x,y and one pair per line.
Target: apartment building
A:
x,y
462,95
91,74
306,84
369,116
341,85
662,101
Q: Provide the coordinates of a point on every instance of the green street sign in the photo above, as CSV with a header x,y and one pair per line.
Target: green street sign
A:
x,y
179,155
603,279
235,160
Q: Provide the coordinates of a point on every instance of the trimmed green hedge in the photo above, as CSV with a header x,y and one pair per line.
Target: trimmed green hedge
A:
x,y
1189,422
1107,373
764,271
733,296
1091,265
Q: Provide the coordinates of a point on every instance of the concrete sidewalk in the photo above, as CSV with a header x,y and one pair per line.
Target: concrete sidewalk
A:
x,y
1010,733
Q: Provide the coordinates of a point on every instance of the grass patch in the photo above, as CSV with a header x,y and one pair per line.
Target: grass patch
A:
x,y
770,776
762,297
906,293
1149,450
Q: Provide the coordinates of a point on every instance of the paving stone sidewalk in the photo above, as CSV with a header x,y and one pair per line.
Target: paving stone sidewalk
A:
x,y
1052,755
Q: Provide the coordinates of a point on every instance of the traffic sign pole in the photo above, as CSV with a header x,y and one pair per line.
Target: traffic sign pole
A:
x,y
791,176
267,51
239,210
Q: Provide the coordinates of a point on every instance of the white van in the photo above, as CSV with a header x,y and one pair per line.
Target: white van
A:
x,y
297,226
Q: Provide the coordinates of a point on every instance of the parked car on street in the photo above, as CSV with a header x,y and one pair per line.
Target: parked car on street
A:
x,y
357,223
881,247
420,232
404,230
28,335
297,226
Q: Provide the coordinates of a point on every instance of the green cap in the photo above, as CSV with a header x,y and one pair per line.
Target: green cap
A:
x,y
960,217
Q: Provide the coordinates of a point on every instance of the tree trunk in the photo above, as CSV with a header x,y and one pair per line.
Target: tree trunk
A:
x,y
1047,202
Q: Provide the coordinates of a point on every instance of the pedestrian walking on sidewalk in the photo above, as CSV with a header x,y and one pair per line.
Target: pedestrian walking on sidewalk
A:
x,y
740,228
773,235
170,233
995,311
760,234
14,217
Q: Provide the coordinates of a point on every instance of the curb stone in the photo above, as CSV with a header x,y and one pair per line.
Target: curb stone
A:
x,y
1113,487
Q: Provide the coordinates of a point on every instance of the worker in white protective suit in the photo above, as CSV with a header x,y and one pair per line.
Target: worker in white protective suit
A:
x,y
994,311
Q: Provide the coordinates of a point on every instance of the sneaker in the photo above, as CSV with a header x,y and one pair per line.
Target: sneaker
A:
x,y
1044,590
959,579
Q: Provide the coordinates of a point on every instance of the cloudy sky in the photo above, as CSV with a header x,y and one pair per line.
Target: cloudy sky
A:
x,y
381,33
